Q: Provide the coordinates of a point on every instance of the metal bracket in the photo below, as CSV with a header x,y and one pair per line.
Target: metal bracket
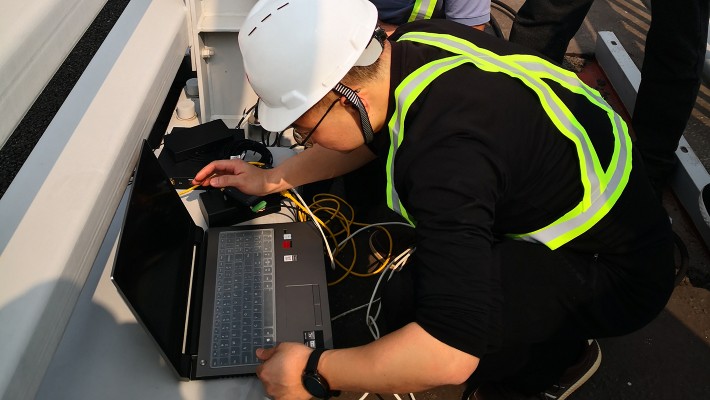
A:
x,y
688,182
691,176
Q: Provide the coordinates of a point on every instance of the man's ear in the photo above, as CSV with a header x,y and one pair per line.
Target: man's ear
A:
x,y
363,94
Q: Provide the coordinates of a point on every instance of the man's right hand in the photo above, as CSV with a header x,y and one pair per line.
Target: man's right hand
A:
x,y
249,179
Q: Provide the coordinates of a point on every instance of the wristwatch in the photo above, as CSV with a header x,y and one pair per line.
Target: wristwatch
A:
x,y
314,383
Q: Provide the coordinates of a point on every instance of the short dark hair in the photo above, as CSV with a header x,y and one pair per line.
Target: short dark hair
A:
x,y
356,75
362,74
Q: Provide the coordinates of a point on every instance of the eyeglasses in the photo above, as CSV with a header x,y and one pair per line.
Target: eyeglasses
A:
x,y
302,138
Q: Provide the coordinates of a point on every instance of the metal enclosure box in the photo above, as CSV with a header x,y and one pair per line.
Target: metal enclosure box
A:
x,y
213,28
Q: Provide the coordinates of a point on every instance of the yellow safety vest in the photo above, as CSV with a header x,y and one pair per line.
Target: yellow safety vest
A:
x,y
602,187
423,9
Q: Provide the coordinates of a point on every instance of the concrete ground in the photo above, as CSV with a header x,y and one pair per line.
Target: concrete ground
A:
x,y
668,359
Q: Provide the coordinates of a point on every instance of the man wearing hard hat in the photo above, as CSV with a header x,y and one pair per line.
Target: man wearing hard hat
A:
x,y
536,228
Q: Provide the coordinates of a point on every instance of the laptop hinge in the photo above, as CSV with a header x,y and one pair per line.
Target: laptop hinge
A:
x,y
192,326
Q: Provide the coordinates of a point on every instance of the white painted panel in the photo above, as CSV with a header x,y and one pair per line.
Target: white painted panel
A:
x,y
56,212
690,177
35,38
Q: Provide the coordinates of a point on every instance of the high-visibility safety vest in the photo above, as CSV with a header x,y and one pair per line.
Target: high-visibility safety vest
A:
x,y
423,9
602,186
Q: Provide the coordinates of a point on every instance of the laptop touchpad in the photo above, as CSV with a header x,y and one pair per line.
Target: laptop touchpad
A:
x,y
304,310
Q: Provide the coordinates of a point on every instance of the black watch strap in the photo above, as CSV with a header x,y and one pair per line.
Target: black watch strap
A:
x,y
312,364
311,373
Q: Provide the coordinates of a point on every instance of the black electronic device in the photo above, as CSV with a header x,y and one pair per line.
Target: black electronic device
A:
x,y
242,198
240,148
194,142
219,209
182,172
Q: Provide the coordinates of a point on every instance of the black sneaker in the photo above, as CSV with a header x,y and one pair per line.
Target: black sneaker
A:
x,y
576,375
570,381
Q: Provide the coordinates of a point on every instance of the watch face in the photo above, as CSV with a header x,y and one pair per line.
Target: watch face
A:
x,y
315,385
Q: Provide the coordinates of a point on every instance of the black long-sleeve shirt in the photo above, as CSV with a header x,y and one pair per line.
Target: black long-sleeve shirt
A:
x,y
480,159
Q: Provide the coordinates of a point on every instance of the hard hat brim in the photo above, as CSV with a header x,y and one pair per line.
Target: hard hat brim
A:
x,y
309,62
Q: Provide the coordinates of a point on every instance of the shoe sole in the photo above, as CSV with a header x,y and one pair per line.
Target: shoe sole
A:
x,y
585,377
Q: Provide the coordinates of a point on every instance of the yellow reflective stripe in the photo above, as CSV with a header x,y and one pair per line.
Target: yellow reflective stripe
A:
x,y
423,9
552,72
591,94
405,94
601,188
558,241
570,225
490,62
621,156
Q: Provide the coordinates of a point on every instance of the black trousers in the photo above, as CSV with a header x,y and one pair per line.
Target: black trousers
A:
x,y
670,75
670,79
550,302
555,300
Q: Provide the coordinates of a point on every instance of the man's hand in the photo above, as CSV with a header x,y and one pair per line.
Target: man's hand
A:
x,y
406,360
237,173
282,370
388,28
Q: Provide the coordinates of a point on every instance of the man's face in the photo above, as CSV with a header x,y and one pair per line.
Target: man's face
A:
x,y
303,136
336,127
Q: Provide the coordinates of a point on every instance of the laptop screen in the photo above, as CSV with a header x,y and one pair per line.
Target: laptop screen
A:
x,y
155,254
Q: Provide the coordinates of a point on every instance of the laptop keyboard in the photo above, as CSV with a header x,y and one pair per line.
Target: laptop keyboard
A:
x,y
244,297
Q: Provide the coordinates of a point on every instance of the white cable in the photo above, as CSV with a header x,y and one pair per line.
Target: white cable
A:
x,y
245,115
398,261
370,321
351,311
315,222
396,264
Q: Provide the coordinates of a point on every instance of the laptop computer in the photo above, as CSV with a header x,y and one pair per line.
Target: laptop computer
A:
x,y
210,298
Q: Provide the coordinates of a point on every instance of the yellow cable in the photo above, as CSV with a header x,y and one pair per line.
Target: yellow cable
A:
x,y
335,214
347,223
188,190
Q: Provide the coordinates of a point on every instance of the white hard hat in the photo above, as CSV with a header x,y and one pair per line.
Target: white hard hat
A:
x,y
295,51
